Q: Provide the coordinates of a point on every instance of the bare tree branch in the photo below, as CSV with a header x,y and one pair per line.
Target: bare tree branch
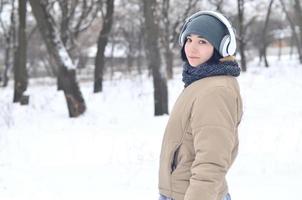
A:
x,y
248,24
217,3
292,25
175,26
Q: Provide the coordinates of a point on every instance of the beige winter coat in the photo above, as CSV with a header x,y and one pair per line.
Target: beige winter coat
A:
x,y
200,141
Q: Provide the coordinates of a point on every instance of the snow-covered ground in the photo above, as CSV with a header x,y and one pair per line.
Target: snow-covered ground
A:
x,y
112,151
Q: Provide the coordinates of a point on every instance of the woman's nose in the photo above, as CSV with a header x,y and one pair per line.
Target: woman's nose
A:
x,y
193,47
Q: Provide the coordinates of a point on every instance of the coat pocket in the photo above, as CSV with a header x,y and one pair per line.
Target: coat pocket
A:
x,y
173,159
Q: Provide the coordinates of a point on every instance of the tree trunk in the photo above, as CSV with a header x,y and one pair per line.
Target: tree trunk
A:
x,y
112,68
154,61
130,61
130,57
102,42
260,54
139,61
279,48
242,55
64,37
6,60
291,52
56,49
166,39
265,43
20,72
265,56
298,13
294,32
169,62
241,34
9,42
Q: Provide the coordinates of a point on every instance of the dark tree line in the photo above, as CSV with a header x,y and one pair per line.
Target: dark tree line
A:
x,y
147,30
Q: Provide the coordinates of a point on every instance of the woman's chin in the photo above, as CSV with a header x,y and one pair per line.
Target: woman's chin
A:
x,y
194,64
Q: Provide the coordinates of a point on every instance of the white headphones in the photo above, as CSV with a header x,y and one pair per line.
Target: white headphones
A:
x,y
227,45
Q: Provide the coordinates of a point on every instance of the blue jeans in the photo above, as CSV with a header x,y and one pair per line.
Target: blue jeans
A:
x,y
162,197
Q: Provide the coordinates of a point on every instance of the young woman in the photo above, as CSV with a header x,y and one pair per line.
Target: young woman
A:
x,y
200,141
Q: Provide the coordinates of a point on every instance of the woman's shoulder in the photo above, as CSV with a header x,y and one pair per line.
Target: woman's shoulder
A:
x,y
210,83
212,87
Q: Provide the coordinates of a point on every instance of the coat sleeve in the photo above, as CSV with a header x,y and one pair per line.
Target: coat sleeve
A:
x,y
213,121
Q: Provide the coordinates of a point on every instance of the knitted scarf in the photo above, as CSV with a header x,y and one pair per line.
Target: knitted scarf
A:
x,y
191,74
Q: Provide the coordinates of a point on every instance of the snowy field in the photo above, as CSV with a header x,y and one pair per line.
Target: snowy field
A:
x,y
112,152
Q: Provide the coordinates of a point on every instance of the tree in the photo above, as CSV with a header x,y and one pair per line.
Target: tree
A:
x,y
75,101
169,30
298,12
243,28
128,33
9,37
294,32
153,57
166,38
20,72
264,40
101,45
72,24
241,34
218,4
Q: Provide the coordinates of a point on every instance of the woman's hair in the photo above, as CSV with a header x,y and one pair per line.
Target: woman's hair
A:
x,y
214,59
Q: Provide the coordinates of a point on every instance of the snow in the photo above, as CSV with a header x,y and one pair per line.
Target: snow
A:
x,y
112,152
63,54
5,15
65,58
116,51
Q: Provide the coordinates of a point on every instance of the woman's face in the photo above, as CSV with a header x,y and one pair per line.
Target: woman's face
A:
x,y
198,50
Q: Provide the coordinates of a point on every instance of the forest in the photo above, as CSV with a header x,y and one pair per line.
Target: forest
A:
x,y
93,40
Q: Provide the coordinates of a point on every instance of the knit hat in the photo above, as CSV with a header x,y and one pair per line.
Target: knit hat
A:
x,y
207,27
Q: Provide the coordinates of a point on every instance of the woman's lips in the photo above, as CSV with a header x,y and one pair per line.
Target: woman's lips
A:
x,y
193,57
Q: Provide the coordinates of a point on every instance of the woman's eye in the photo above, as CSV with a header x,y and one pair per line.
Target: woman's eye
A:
x,y
202,41
189,40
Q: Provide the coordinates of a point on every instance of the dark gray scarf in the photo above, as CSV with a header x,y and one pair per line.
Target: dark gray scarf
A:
x,y
191,74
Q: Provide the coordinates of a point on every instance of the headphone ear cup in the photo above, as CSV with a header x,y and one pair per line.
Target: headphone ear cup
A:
x,y
224,44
